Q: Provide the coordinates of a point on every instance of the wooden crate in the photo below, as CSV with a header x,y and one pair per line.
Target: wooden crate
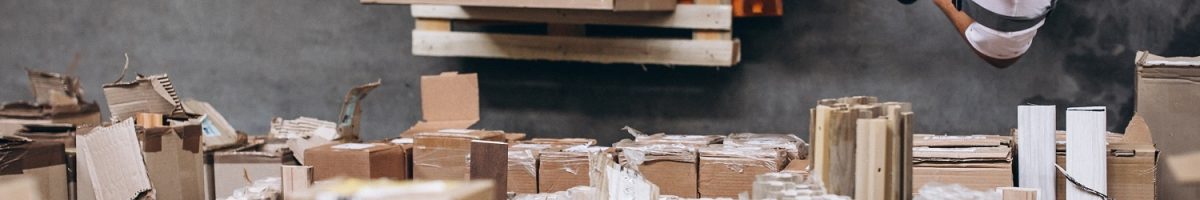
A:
x,y
710,44
607,5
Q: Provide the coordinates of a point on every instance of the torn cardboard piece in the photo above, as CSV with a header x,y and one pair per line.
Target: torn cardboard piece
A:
x,y
448,101
145,94
58,99
351,114
217,131
111,159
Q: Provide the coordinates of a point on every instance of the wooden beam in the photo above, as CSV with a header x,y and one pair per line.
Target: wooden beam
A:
x,y
600,50
712,34
1087,151
871,157
608,5
686,16
842,142
1036,151
1016,193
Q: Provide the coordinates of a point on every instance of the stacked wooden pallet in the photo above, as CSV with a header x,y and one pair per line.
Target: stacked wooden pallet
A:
x,y
567,38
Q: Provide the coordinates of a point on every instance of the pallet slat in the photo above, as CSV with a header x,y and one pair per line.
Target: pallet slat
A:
x,y
608,5
722,53
686,16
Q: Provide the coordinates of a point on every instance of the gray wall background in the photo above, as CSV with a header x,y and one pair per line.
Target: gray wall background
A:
x,y
255,60
259,59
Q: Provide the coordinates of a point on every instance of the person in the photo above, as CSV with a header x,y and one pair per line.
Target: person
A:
x,y
999,31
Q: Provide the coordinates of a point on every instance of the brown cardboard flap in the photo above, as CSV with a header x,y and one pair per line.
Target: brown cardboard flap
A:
x,y
220,133
1137,132
450,97
44,154
114,161
351,114
189,133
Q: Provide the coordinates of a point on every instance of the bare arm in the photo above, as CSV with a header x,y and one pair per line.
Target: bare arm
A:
x,y
961,21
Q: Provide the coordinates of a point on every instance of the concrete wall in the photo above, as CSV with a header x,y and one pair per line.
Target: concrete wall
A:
x,y
255,60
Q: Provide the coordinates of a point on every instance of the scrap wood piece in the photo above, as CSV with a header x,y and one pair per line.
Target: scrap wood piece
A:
x,y
1087,152
713,53
1035,137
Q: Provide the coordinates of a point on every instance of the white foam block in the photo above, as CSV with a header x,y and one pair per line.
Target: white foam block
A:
x,y
1035,148
1086,148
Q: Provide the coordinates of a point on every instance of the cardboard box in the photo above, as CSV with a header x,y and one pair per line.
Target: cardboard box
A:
x,y
559,171
20,187
522,167
1132,164
44,162
671,166
978,162
728,171
231,169
448,101
110,163
374,189
357,160
1166,94
174,160
295,179
461,154
691,140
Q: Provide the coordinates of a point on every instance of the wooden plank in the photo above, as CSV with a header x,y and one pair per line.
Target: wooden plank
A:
x,y
600,50
871,155
686,16
489,161
819,136
907,174
1035,152
608,5
711,34
1087,151
1016,193
842,142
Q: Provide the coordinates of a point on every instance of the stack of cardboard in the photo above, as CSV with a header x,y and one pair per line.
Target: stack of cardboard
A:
x,y
979,162
58,100
110,164
795,147
728,171
41,161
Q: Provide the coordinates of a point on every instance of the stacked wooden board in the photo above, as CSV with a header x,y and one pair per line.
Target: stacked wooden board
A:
x,y
567,36
863,148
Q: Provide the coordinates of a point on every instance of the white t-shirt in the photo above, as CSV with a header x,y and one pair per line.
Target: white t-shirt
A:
x,y
1000,44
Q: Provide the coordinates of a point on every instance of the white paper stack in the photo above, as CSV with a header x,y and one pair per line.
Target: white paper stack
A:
x,y
1086,148
1035,148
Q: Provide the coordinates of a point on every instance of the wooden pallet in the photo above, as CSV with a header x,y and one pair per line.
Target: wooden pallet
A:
x,y
607,5
710,21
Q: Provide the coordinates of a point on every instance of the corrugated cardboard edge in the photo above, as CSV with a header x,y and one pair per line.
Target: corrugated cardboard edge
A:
x,y
227,134
448,101
351,114
136,183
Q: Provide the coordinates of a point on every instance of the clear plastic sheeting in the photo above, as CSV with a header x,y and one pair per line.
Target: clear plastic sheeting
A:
x,y
634,154
737,158
575,193
771,186
795,147
262,189
524,156
940,191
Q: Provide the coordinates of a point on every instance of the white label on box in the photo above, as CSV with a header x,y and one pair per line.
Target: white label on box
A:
x,y
326,132
402,141
353,146
207,127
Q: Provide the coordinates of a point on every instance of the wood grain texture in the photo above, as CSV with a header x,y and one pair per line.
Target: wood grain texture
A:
x,y
717,53
609,5
686,16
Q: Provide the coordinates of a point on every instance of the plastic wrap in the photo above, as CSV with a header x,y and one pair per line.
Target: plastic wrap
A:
x,y
575,193
524,156
790,186
262,189
303,127
795,147
440,162
737,158
633,154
